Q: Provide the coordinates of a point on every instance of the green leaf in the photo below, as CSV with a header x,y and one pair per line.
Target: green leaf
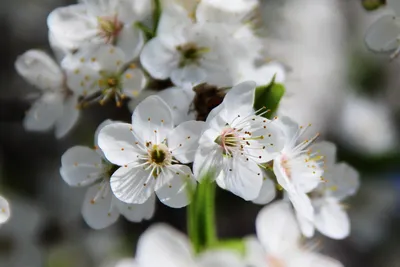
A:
x,y
373,4
237,245
268,97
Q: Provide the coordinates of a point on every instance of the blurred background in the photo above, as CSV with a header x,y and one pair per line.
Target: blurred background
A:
x,y
349,94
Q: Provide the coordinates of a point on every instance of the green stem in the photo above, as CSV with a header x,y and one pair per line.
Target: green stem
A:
x,y
156,15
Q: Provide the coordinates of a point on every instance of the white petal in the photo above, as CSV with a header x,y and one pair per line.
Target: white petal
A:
x,y
289,127
306,226
395,5
134,82
311,259
179,100
128,262
219,258
240,99
277,228
98,129
132,184
281,175
39,69
188,76
72,25
100,213
267,192
131,40
255,253
176,193
302,204
152,120
58,48
161,245
207,160
44,113
5,211
69,117
183,141
243,178
81,165
158,60
327,150
137,212
383,35
342,181
107,57
118,143
332,221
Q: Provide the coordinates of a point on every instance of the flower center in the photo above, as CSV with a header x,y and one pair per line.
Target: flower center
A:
x,y
111,86
159,155
286,166
109,28
190,53
227,140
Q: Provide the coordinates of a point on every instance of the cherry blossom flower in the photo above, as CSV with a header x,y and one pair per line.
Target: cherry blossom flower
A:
x,y
298,171
162,245
235,143
342,181
384,34
104,70
100,22
83,166
189,53
151,152
57,106
279,240
5,211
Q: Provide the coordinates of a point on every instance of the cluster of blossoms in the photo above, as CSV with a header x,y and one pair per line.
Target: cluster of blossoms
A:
x,y
198,122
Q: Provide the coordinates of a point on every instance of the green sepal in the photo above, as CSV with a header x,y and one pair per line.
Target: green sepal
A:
x,y
268,97
236,245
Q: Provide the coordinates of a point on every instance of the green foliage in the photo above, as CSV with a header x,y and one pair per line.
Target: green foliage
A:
x,y
373,4
269,96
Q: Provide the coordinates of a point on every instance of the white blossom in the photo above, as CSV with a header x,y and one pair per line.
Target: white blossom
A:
x,y
57,106
162,245
151,152
279,241
235,143
298,170
384,34
104,69
5,211
83,166
341,181
100,22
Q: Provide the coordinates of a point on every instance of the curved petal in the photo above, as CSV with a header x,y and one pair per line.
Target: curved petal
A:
x,y
44,113
137,212
219,258
98,129
243,178
277,228
158,60
81,166
306,226
395,5
68,118
302,204
5,211
119,144
267,192
72,25
128,262
183,141
311,259
152,120
172,249
132,184
176,193
240,99
342,181
98,210
188,76
332,221
40,70
327,150
179,100
384,34
207,160
134,82
131,40
255,253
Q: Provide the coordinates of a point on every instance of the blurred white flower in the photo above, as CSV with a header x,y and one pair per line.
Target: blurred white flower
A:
x,y
5,211
104,69
82,166
150,152
100,22
57,107
187,52
341,181
384,34
360,116
236,141
279,240
162,245
298,170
